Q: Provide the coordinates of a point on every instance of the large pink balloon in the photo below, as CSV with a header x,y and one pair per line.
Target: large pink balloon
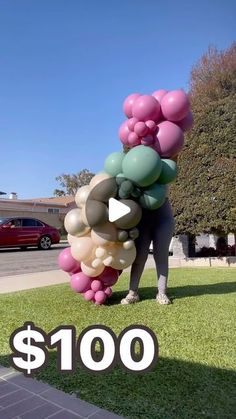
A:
x,y
124,132
131,123
109,276
146,107
175,105
100,297
80,282
159,94
169,139
186,123
67,263
133,139
128,104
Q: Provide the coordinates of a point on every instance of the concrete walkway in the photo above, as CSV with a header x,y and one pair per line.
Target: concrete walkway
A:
x,y
26,398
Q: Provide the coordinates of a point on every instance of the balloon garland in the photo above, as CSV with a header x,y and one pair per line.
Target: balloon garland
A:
x,y
99,249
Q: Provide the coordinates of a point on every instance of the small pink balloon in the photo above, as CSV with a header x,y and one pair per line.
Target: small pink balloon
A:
x,y
175,105
131,123
140,129
169,139
124,132
80,282
148,140
100,297
66,261
128,104
109,276
152,126
146,107
133,139
186,123
159,94
96,285
108,291
89,295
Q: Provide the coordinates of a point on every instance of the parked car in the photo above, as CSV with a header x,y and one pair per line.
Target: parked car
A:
x,y
23,232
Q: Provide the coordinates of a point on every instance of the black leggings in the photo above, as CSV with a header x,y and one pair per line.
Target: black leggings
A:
x,y
156,226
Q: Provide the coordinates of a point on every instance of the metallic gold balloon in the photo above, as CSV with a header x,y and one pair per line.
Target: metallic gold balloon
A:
x,y
74,224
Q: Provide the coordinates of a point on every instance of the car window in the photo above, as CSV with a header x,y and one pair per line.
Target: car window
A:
x,y
28,222
16,222
38,223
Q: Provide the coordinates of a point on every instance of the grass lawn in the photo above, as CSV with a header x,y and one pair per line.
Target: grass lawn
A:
x,y
195,376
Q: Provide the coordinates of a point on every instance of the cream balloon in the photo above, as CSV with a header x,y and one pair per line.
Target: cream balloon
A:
x,y
88,270
100,252
71,239
128,244
74,224
123,258
97,179
82,195
82,248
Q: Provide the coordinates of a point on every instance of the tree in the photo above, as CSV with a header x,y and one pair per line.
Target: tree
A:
x,y
203,196
71,183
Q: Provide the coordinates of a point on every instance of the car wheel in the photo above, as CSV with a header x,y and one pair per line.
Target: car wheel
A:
x,y
45,243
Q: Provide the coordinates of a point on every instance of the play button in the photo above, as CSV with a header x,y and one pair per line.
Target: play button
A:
x,y
117,209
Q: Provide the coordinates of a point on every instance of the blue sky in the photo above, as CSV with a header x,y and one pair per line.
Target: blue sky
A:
x,y
67,65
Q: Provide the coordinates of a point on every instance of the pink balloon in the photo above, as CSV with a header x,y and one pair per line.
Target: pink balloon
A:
x,y
66,261
141,129
152,126
124,132
175,105
96,285
146,107
89,295
159,94
109,276
186,123
108,291
169,139
128,104
80,282
133,139
131,123
100,297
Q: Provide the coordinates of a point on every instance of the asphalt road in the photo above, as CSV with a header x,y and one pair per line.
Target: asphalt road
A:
x,y
17,261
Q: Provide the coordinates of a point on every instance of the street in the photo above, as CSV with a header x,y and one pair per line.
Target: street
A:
x,y
17,261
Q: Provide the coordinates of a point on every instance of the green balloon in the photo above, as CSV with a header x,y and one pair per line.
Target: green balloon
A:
x,y
142,165
153,197
113,163
122,235
120,179
127,186
168,171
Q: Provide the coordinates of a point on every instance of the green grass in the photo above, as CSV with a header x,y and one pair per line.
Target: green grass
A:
x,y
195,376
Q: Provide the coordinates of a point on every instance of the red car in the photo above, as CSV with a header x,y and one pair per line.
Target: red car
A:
x,y
23,232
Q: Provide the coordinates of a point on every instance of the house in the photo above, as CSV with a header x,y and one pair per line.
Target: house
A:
x,y
50,210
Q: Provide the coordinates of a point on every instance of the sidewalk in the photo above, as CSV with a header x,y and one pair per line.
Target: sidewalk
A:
x,y
26,398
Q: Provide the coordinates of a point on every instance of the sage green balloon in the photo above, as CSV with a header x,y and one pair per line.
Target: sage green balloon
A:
x,y
153,197
113,163
142,165
168,171
127,186
120,179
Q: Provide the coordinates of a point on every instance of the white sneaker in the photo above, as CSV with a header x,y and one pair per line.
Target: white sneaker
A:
x,y
162,299
131,298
